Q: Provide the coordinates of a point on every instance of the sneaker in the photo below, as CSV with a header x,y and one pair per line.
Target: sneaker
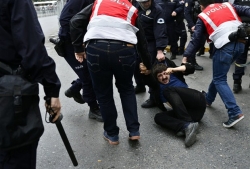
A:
x,y
190,132
231,122
148,104
77,96
94,113
205,94
113,140
140,89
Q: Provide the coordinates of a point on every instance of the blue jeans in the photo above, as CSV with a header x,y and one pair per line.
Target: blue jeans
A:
x,y
106,60
222,60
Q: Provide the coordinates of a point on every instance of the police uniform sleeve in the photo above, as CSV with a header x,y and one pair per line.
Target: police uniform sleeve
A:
x,y
188,13
28,40
71,8
242,10
179,7
196,40
78,27
160,30
141,46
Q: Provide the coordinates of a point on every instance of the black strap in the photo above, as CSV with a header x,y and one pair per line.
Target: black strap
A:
x,y
18,99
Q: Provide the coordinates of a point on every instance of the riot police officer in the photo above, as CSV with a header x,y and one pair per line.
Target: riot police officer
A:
x,y
71,8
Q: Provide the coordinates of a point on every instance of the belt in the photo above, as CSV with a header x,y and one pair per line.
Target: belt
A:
x,y
112,41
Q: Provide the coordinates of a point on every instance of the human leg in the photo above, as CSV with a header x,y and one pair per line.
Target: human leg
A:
x,y
221,64
240,71
19,158
101,74
123,68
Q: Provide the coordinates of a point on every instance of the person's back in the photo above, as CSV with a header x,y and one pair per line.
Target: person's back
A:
x,y
23,63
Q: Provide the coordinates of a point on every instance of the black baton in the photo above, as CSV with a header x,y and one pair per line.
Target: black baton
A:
x,y
62,134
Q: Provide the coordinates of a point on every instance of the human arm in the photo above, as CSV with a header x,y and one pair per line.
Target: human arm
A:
x,y
30,49
160,33
196,40
71,8
188,13
78,28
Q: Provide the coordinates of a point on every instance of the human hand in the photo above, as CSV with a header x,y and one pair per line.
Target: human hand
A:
x,y
192,29
80,56
54,109
169,70
184,59
160,56
174,13
144,69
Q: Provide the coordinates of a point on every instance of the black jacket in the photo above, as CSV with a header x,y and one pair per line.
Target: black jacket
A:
x,y
22,43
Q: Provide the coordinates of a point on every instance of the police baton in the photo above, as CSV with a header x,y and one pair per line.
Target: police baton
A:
x,y
62,133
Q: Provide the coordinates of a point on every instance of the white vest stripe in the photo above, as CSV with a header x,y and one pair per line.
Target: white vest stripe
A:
x,y
97,7
232,10
131,13
209,21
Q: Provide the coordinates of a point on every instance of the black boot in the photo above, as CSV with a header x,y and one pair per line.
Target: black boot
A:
x,y
237,86
173,56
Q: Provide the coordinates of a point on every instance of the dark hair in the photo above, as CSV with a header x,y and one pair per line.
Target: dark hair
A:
x,y
158,68
205,3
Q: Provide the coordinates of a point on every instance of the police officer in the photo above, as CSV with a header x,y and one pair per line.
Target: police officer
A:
x,y
71,8
152,19
171,8
23,52
226,51
111,53
242,59
191,11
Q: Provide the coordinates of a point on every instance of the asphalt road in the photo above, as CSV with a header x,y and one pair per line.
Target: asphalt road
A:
x,y
216,146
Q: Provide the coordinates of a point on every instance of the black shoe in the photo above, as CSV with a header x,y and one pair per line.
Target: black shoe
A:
x,y
77,96
94,113
140,89
172,57
198,67
190,133
237,87
148,104
210,56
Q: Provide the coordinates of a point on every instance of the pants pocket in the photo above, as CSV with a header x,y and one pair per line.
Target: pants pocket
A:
x,y
93,62
128,62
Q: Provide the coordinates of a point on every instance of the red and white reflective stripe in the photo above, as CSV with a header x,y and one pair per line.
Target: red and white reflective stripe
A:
x,y
232,10
131,13
98,3
208,20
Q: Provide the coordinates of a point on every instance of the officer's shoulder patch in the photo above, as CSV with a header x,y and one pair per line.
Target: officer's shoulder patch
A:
x,y
160,21
186,4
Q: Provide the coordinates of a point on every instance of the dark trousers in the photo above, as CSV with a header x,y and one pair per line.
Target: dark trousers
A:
x,y
242,59
181,33
139,78
81,69
188,105
172,37
105,61
20,158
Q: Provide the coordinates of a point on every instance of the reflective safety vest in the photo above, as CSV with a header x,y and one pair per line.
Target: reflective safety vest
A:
x,y
220,20
114,20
